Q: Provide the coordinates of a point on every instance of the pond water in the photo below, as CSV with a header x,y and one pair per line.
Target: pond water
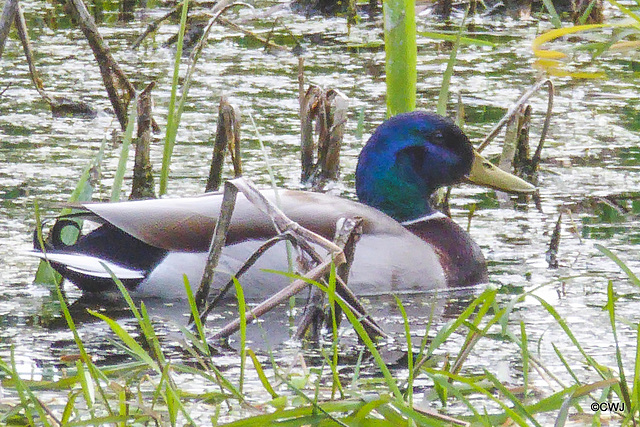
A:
x,y
590,169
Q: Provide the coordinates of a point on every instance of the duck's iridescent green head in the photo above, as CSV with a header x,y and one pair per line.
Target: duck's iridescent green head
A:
x,y
407,158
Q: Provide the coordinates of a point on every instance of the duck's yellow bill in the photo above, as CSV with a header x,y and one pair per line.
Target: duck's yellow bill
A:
x,y
485,173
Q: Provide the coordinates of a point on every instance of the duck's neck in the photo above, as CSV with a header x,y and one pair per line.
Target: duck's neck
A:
x,y
397,191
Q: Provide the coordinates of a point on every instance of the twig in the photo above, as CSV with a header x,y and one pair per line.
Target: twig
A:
x,y
265,42
8,13
280,220
154,25
112,75
267,305
512,111
246,266
21,27
535,160
282,224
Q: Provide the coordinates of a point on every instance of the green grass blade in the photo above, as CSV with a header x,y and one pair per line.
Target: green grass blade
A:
x,y
95,373
116,190
566,365
87,385
517,404
441,380
624,387
635,398
525,357
357,325
572,337
141,316
451,326
613,257
407,333
443,97
263,378
515,416
25,395
555,18
82,192
242,311
331,297
196,316
172,119
126,338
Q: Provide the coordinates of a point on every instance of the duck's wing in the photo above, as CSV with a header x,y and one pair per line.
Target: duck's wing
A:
x,y
187,224
388,258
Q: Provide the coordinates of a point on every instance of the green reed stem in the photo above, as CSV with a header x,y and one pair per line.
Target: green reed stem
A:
x,y
401,55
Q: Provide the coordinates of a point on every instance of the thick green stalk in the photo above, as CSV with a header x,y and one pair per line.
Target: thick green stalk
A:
x,y
401,55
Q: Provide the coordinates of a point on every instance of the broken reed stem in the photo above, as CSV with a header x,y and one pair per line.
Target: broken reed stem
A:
x,y
112,75
217,243
512,111
227,135
313,312
554,244
521,159
535,160
308,104
336,119
143,185
510,141
8,13
329,110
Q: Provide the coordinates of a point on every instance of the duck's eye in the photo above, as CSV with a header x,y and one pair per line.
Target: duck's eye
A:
x,y
437,137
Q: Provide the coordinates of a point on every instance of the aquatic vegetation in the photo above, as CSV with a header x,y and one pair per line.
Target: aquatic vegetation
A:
x,y
150,388
607,38
155,385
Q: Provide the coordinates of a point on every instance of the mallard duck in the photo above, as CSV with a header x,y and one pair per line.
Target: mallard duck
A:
x,y
406,246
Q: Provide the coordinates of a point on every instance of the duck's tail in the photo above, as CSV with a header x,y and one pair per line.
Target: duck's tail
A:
x,y
89,260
